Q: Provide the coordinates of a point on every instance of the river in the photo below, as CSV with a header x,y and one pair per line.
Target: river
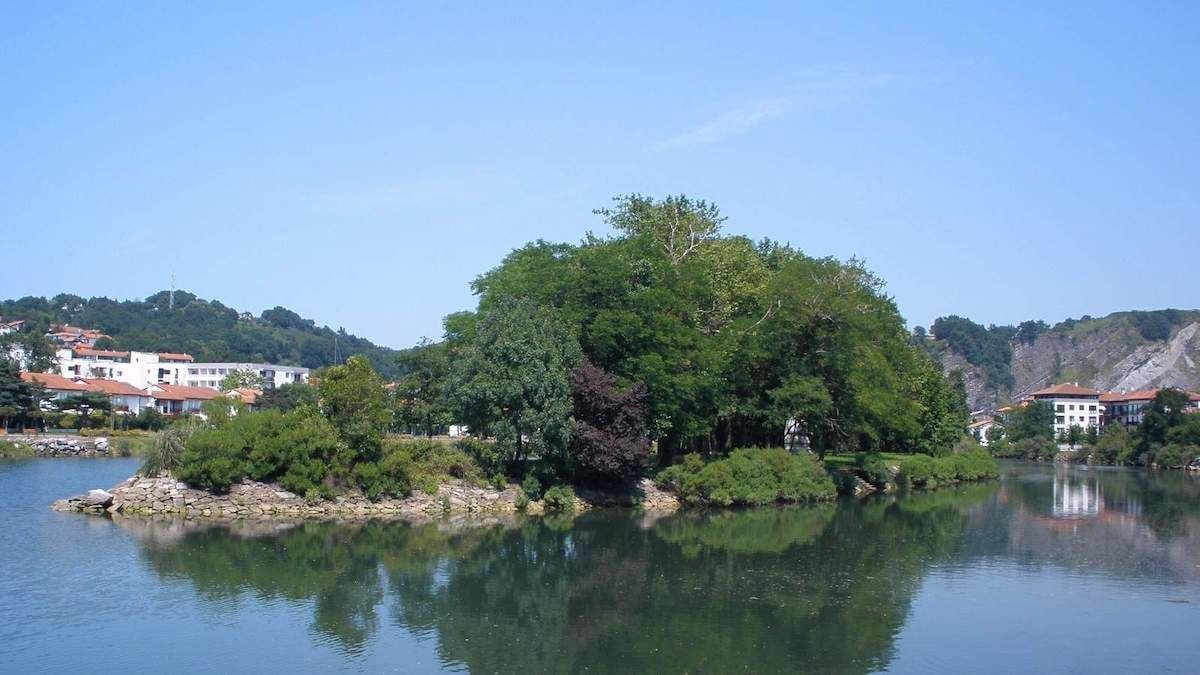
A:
x,y
1049,569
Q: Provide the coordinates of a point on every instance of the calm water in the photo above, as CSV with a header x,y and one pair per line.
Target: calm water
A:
x,y
1056,570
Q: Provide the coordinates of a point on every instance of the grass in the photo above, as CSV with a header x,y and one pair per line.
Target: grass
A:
x,y
13,449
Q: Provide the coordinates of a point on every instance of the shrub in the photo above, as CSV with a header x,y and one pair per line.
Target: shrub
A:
x,y
531,487
749,476
487,456
875,468
559,498
930,472
521,502
165,453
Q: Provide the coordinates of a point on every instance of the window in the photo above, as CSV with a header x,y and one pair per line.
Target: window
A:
x,y
1091,408
1060,407
1058,419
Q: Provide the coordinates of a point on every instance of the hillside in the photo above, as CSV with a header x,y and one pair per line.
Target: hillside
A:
x,y
1122,351
207,329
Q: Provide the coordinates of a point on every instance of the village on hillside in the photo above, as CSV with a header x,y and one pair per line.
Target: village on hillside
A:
x,y
168,383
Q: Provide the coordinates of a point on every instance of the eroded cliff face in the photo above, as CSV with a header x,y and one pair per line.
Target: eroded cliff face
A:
x,y
1104,355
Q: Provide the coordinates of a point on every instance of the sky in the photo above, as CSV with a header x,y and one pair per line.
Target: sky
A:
x,y
362,163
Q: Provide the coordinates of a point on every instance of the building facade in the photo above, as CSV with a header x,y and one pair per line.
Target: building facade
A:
x,y
1129,408
1073,405
144,369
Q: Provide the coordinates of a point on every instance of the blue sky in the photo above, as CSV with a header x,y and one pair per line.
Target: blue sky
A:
x,y
361,165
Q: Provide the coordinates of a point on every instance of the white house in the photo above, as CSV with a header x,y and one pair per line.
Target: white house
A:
x,y
1074,406
980,428
123,397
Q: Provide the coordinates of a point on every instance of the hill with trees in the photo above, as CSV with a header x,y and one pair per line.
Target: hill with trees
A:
x,y
1122,351
206,329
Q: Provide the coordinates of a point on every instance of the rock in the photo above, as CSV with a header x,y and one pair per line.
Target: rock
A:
x,y
102,498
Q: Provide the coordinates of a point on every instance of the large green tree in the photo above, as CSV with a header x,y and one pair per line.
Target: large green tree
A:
x,y
352,397
513,381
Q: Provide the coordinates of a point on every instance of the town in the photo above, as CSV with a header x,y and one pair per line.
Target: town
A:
x,y
1078,411
169,383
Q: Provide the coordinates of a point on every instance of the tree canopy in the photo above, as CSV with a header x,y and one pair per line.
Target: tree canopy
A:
x,y
729,338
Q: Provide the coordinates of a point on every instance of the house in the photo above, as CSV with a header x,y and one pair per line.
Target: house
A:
x,y
979,429
123,397
1128,408
57,387
174,399
1074,406
73,336
248,396
7,327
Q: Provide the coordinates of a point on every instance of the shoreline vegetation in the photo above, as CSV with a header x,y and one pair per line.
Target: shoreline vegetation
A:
x,y
668,356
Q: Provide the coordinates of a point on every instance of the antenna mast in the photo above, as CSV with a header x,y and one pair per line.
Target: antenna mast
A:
x,y
171,302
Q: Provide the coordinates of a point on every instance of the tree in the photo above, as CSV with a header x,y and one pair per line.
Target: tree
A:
x,y
513,381
1035,420
1165,412
420,391
352,397
678,224
288,397
241,379
1074,435
18,399
609,443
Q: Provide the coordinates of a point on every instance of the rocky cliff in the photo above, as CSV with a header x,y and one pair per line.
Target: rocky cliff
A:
x,y
1114,353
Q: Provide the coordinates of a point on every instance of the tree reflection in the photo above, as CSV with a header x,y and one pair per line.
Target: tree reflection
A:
x,y
802,589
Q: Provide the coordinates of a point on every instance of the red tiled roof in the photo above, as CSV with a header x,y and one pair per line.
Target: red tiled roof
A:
x,y
248,396
54,381
86,351
178,392
1139,395
172,356
1065,390
113,387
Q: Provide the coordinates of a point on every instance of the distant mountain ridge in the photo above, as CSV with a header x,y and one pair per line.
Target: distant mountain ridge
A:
x,y
206,329
1123,351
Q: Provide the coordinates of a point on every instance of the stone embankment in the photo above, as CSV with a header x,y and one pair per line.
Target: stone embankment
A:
x,y
65,446
164,495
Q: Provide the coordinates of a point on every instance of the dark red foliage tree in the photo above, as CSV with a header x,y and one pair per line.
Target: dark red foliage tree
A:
x,y
609,444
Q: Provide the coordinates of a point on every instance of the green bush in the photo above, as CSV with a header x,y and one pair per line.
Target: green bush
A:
x,y
749,476
930,472
560,498
488,456
295,449
521,502
875,469
532,487
1174,455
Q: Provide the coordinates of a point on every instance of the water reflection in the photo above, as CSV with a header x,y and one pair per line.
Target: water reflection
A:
x,y
791,589
607,592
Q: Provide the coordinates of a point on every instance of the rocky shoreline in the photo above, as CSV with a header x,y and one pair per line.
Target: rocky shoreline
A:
x,y
163,495
63,446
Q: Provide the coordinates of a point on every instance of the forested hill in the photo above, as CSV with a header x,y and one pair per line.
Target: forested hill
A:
x,y
206,329
1121,351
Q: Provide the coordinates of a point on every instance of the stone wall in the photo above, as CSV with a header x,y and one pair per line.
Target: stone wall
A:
x,y
163,495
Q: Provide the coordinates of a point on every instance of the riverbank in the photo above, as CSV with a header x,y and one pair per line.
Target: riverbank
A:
x,y
164,495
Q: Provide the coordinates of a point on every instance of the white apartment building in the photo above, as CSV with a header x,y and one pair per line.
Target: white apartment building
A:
x,y
143,369
210,374
1074,406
